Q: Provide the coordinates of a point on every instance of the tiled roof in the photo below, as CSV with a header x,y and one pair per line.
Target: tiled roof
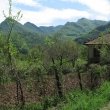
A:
x,y
100,40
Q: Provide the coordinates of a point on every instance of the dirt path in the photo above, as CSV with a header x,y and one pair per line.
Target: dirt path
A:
x,y
106,107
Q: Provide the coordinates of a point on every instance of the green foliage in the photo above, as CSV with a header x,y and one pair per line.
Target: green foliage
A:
x,y
105,54
87,100
49,41
98,69
80,65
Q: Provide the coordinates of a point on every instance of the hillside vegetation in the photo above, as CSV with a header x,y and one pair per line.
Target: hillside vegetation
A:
x,y
34,34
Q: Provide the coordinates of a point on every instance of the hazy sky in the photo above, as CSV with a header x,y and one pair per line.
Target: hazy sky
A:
x,y
55,12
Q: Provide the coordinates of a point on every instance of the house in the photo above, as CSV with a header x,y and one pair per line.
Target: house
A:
x,y
94,46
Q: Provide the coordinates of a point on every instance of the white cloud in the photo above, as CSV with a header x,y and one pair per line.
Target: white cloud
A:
x,y
101,17
98,6
3,7
47,16
97,9
27,2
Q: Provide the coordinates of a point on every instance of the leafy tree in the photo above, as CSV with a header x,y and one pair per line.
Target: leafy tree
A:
x,y
38,71
59,52
53,49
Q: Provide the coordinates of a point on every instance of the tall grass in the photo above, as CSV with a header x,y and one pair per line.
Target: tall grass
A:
x,y
88,100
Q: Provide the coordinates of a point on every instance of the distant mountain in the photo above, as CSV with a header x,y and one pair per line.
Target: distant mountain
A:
x,y
50,29
33,34
32,27
103,29
18,27
42,29
30,36
70,29
80,28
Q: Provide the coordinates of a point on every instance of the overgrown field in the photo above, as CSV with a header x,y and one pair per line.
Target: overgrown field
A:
x,y
87,100
74,100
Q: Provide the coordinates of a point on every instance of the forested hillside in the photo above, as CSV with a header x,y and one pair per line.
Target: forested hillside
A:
x,y
73,30
80,28
97,32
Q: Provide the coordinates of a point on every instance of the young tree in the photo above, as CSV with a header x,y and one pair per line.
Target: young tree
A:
x,y
80,66
59,53
55,56
36,66
11,52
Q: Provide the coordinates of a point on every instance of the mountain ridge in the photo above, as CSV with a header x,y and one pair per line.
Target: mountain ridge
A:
x,y
99,31
83,24
34,34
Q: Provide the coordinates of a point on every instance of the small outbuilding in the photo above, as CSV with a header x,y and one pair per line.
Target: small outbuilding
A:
x,y
94,46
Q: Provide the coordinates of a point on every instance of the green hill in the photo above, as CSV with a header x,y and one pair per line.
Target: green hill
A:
x,y
33,34
80,28
30,36
32,27
103,29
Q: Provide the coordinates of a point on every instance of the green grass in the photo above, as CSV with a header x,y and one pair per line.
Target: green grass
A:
x,y
88,100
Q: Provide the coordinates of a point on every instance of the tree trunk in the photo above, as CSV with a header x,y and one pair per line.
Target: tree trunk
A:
x,y
92,81
58,81
19,92
80,81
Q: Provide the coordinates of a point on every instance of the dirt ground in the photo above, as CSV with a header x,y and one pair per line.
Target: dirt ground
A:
x,y
31,90
107,107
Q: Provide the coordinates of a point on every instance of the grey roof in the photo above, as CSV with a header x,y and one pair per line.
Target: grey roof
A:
x,y
105,39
